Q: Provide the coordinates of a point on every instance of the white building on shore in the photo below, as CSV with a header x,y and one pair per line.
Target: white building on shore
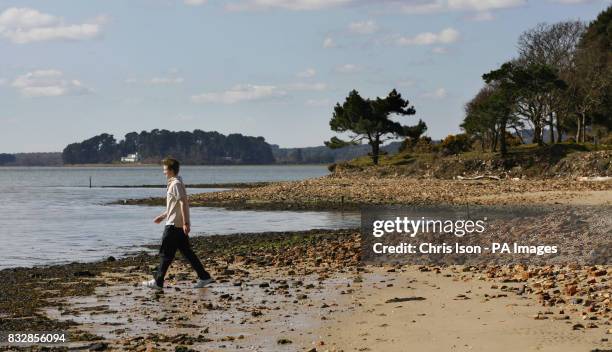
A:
x,y
130,158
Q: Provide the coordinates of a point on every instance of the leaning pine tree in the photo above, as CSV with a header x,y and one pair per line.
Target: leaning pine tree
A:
x,y
367,119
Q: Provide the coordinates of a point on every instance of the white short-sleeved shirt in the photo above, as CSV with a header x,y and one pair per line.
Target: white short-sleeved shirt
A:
x,y
176,191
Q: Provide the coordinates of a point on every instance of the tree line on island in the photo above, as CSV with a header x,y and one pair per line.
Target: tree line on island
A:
x,y
31,159
197,147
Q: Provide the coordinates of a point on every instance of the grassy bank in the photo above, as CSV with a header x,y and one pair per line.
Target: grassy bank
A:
x,y
529,160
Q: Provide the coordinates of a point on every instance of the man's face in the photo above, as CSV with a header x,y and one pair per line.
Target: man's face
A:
x,y
168,172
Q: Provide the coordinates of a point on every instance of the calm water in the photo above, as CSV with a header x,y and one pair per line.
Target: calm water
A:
x,y
50,216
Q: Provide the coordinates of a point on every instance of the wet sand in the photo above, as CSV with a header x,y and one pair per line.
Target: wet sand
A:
x,y
268,311
460,312
256,274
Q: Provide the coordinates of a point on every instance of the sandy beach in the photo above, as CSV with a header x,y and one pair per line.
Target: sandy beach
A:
x,y
453,311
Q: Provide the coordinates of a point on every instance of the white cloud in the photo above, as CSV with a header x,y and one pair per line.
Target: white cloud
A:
x,y
195,2
405,6
166,80
308,73
240,93
307,86
26,25
251,92
48,83
484,5
348,68
14,17
329,43
422,7
365,27
572,2
74,32
445,36
318,102
293,5
433,6
439,93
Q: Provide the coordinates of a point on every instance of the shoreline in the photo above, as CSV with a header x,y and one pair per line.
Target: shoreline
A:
x,y
342,193
200,185
154,165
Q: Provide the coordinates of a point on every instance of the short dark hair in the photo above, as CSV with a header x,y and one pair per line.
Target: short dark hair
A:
x,y
172,164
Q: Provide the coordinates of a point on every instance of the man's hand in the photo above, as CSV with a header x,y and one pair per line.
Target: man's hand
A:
x,y
186,229
158,219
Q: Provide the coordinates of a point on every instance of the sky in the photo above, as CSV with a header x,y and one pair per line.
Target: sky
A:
x,y
72,69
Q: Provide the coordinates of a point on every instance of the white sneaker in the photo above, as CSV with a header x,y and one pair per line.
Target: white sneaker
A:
x,y
203,283
152,284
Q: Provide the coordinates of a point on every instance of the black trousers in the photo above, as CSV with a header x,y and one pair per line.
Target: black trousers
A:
x,y
174,238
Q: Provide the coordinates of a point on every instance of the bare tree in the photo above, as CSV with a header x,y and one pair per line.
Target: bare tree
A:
x,y
588,84
553,45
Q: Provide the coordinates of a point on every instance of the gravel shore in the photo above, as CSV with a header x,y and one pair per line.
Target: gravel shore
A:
x,y
329,192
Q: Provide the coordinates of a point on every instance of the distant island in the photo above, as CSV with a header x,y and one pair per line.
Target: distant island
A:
x,y
197,147
193,148
31,159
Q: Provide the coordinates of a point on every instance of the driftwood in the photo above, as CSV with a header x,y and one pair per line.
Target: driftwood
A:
x,y
480,177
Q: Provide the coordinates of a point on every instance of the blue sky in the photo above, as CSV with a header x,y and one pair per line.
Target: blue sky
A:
x,y
71,69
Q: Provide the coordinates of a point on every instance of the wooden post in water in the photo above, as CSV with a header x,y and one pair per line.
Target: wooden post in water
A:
x,y
89,181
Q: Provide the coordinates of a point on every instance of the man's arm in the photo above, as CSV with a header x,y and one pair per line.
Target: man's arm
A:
x,y
184,202
185,213
160,217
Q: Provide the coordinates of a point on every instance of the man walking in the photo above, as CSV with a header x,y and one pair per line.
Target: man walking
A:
x,y
176,232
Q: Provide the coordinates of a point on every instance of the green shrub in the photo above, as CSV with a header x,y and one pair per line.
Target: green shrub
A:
x,y
421,145
512,140
455,144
